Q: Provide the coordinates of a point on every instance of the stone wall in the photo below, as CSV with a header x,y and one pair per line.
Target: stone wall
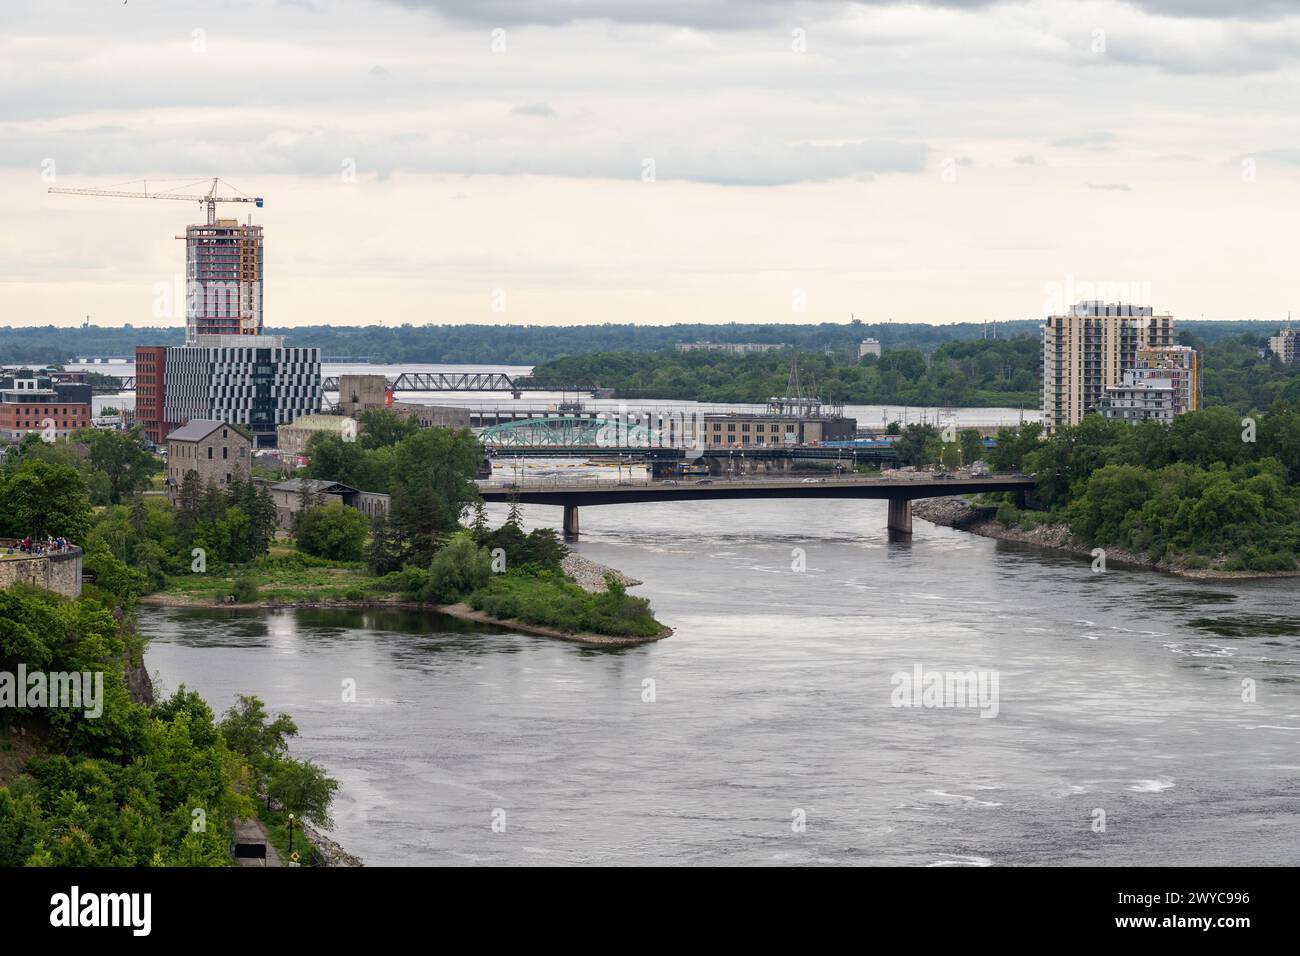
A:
x,y
59,572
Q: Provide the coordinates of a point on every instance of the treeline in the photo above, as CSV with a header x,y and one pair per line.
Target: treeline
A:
x,y
1211,489
983,373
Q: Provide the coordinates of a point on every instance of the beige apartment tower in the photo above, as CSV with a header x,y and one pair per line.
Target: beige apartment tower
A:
x,y
1088,350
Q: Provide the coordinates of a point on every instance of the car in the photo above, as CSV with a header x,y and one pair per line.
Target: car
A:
x,y
705,481
943,474
811,481
670,481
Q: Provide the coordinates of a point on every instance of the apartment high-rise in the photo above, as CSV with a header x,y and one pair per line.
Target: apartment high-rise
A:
x,y
1089,349
223,272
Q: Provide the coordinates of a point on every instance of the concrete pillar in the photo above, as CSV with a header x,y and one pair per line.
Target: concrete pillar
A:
x,y
571,522
900,515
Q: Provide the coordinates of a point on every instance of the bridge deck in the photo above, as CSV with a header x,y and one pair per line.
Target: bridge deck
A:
x,y
611,493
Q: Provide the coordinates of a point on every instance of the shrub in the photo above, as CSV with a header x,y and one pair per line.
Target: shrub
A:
x,y
459,567
244,590
333,531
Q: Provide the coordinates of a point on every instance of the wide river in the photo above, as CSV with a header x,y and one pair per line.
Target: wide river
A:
x,y
768,734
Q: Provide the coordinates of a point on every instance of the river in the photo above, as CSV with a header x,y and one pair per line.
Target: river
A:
x,y
771,736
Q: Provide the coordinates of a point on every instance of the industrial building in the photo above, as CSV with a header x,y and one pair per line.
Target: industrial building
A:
x,y
293,437
868,347
1091,348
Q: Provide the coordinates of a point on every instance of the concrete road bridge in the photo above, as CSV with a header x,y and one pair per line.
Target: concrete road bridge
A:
x,y
898,491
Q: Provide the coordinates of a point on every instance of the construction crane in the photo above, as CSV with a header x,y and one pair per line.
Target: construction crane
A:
x,y
209,199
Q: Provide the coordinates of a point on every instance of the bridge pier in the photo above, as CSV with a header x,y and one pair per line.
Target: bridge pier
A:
x,y
900,516
570,522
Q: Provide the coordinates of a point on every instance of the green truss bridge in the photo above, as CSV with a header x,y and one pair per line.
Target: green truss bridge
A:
x,y
569,431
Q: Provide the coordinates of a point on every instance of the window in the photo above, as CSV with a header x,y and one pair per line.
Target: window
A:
x,y
209,452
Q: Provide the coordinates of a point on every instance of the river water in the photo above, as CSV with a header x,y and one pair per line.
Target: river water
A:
x,y
771,736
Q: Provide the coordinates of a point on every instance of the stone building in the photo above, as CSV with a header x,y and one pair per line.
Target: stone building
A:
x,y
215,450
288,496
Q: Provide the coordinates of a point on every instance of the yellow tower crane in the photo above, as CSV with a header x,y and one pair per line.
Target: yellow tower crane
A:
x,y
209,199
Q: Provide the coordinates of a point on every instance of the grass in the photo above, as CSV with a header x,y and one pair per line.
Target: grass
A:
x,y
283,576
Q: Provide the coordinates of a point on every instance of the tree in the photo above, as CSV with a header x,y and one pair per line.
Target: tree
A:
x,y
381,427
913,445
304,789
40,499
123,459
384,552
188,500
972,445
458,569
249,731
433,484
333,531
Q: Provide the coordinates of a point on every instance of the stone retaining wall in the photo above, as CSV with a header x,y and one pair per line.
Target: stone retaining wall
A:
x,y
59,571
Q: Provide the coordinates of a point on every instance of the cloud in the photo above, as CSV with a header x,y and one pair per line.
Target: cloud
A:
x,y
1026,160
1111,187
534,109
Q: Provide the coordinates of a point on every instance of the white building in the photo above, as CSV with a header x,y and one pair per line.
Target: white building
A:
x,y
1139,398
868,347
1285,345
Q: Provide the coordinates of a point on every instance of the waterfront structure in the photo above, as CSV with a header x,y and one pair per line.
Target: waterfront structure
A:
x,y
1285,345
289,496
785,422
223,271
868,347
150,375
36,402
292,438
1089,349
215,450
739,348
256,381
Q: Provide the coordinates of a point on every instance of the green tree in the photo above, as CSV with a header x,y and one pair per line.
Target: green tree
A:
x,y
304,789
333,531
45,500
432,486
384,552
123,459
382,427
458,569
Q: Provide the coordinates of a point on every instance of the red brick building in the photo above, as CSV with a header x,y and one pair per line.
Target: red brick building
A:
x,y
150,372
32,402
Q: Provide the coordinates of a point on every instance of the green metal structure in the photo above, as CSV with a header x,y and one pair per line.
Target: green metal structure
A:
x,y
568,431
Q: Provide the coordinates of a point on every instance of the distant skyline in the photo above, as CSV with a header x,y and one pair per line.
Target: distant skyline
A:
x,y
584,162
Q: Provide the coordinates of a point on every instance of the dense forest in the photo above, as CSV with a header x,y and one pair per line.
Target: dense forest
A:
x,y
985,372
532,344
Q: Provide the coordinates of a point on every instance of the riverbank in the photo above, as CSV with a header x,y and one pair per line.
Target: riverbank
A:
x,y
956,512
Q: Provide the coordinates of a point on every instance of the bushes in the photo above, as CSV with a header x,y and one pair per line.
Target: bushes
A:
x,y
458,568
244,590
333,531
549,599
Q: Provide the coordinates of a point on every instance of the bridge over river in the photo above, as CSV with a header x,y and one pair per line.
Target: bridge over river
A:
x,y
898,491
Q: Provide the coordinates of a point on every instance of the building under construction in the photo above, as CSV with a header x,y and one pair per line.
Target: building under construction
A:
x,y
223,273
227,370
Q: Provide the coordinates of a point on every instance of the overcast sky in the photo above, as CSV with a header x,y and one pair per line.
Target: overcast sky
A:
x,y
566,161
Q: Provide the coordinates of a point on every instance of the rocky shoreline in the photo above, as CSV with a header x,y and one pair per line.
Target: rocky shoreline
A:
x,y
956,512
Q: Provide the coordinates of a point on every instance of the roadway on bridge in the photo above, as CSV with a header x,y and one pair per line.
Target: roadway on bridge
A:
x,y
612,492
